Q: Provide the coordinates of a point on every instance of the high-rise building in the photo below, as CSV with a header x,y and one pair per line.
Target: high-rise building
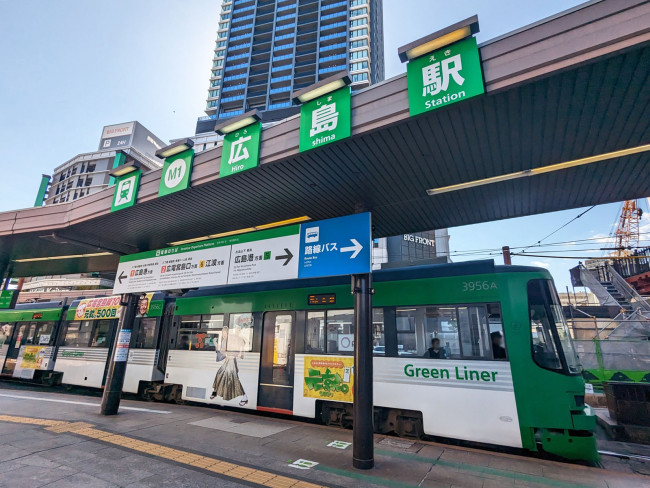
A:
x,y
268,49
88,173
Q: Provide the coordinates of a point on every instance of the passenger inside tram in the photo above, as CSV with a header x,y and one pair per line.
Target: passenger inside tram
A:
x,y
435,351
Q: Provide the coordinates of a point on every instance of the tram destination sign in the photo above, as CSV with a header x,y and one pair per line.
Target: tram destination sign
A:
x,y
325,248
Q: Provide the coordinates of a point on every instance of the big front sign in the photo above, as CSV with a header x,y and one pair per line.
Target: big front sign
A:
x,y
444,77
326,248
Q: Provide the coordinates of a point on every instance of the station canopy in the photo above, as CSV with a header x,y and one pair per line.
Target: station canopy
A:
x,y
569,87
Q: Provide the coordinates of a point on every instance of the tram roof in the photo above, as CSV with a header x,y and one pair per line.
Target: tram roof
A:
x,y
568,87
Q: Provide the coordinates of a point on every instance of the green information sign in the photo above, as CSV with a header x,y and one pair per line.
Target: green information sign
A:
x,y
176,173
325,119
241,150
126,190
6,298
443,77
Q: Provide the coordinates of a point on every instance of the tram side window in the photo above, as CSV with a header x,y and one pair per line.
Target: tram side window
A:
x,y
101,333
551,341
315,333
5,333
340,331
78,333
44,333
448,332
332,332
200,332
146,334
240,332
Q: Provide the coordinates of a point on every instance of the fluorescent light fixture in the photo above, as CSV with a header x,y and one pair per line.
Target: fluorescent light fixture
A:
x,y
126,168
279,223
175,148
236,123
68,256
541,170
439,39
327,85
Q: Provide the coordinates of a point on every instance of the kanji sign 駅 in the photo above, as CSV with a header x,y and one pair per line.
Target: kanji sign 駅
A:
x,y
326,248
325,119
176,173
241,150
443,77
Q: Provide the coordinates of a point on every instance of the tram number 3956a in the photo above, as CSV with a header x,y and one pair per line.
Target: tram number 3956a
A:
x,y
479,285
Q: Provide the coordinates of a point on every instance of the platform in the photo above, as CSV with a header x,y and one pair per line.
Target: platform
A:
x,y
59,439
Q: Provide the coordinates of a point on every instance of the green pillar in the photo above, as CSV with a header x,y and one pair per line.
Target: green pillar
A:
x,y
120,158
40,196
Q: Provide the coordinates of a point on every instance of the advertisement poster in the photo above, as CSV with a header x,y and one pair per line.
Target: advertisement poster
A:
x,y
123,341
98,308
33,357
329,377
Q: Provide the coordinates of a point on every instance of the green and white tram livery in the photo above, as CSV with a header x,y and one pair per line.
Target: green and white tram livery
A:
x,y
468,351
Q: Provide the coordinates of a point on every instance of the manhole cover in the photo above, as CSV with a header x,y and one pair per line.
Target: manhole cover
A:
x,y
399,444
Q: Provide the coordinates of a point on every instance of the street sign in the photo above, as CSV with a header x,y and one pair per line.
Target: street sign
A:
x,y
336,246
126,190
241,150
325,119
443,77
7,298
176,173
326,248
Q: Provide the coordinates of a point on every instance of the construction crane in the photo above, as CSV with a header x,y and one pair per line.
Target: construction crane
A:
x,y
627,231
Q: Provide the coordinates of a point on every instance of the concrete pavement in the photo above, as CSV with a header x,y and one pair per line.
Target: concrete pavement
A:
x,y
58,440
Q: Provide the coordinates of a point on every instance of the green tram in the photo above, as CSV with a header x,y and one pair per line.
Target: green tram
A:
x,y
28,336
468,351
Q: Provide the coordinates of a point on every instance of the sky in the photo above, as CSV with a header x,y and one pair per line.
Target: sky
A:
x,y
72,66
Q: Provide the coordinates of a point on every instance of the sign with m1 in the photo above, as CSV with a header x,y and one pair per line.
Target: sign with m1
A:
x,y
331,247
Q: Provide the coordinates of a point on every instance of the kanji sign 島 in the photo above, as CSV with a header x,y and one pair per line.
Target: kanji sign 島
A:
x,y
241,150
325,119
443,77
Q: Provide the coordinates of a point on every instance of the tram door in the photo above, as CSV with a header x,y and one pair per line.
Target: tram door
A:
x,y
23,334
276,370
6,331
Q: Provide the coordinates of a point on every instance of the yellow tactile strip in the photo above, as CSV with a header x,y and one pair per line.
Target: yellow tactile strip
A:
x,y
231,470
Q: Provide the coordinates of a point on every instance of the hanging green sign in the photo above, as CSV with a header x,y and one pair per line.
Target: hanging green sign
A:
x,y
7,298
443,77
325,119
126,190
241,150
176,173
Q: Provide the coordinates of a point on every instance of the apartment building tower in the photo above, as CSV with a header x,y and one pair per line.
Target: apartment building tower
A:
x,y
268,49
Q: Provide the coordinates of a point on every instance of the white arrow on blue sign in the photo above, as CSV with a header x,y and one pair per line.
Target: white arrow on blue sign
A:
x,y
337,246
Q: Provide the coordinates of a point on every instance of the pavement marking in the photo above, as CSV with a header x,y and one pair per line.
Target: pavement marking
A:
x,y
251,428
135,409
217,466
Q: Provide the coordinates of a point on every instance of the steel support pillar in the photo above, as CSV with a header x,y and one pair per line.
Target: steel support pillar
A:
x,y
362,409
117,364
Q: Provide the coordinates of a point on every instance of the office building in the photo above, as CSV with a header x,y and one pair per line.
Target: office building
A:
x,y
268,49
429,247
88,173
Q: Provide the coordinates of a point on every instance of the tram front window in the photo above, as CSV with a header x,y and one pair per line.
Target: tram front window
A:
x,y
551,341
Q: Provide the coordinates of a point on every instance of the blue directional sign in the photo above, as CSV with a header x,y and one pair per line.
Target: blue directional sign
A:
x,y
333,247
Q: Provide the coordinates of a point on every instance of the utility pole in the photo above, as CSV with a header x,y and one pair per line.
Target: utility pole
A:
x,y
506,255
119,356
